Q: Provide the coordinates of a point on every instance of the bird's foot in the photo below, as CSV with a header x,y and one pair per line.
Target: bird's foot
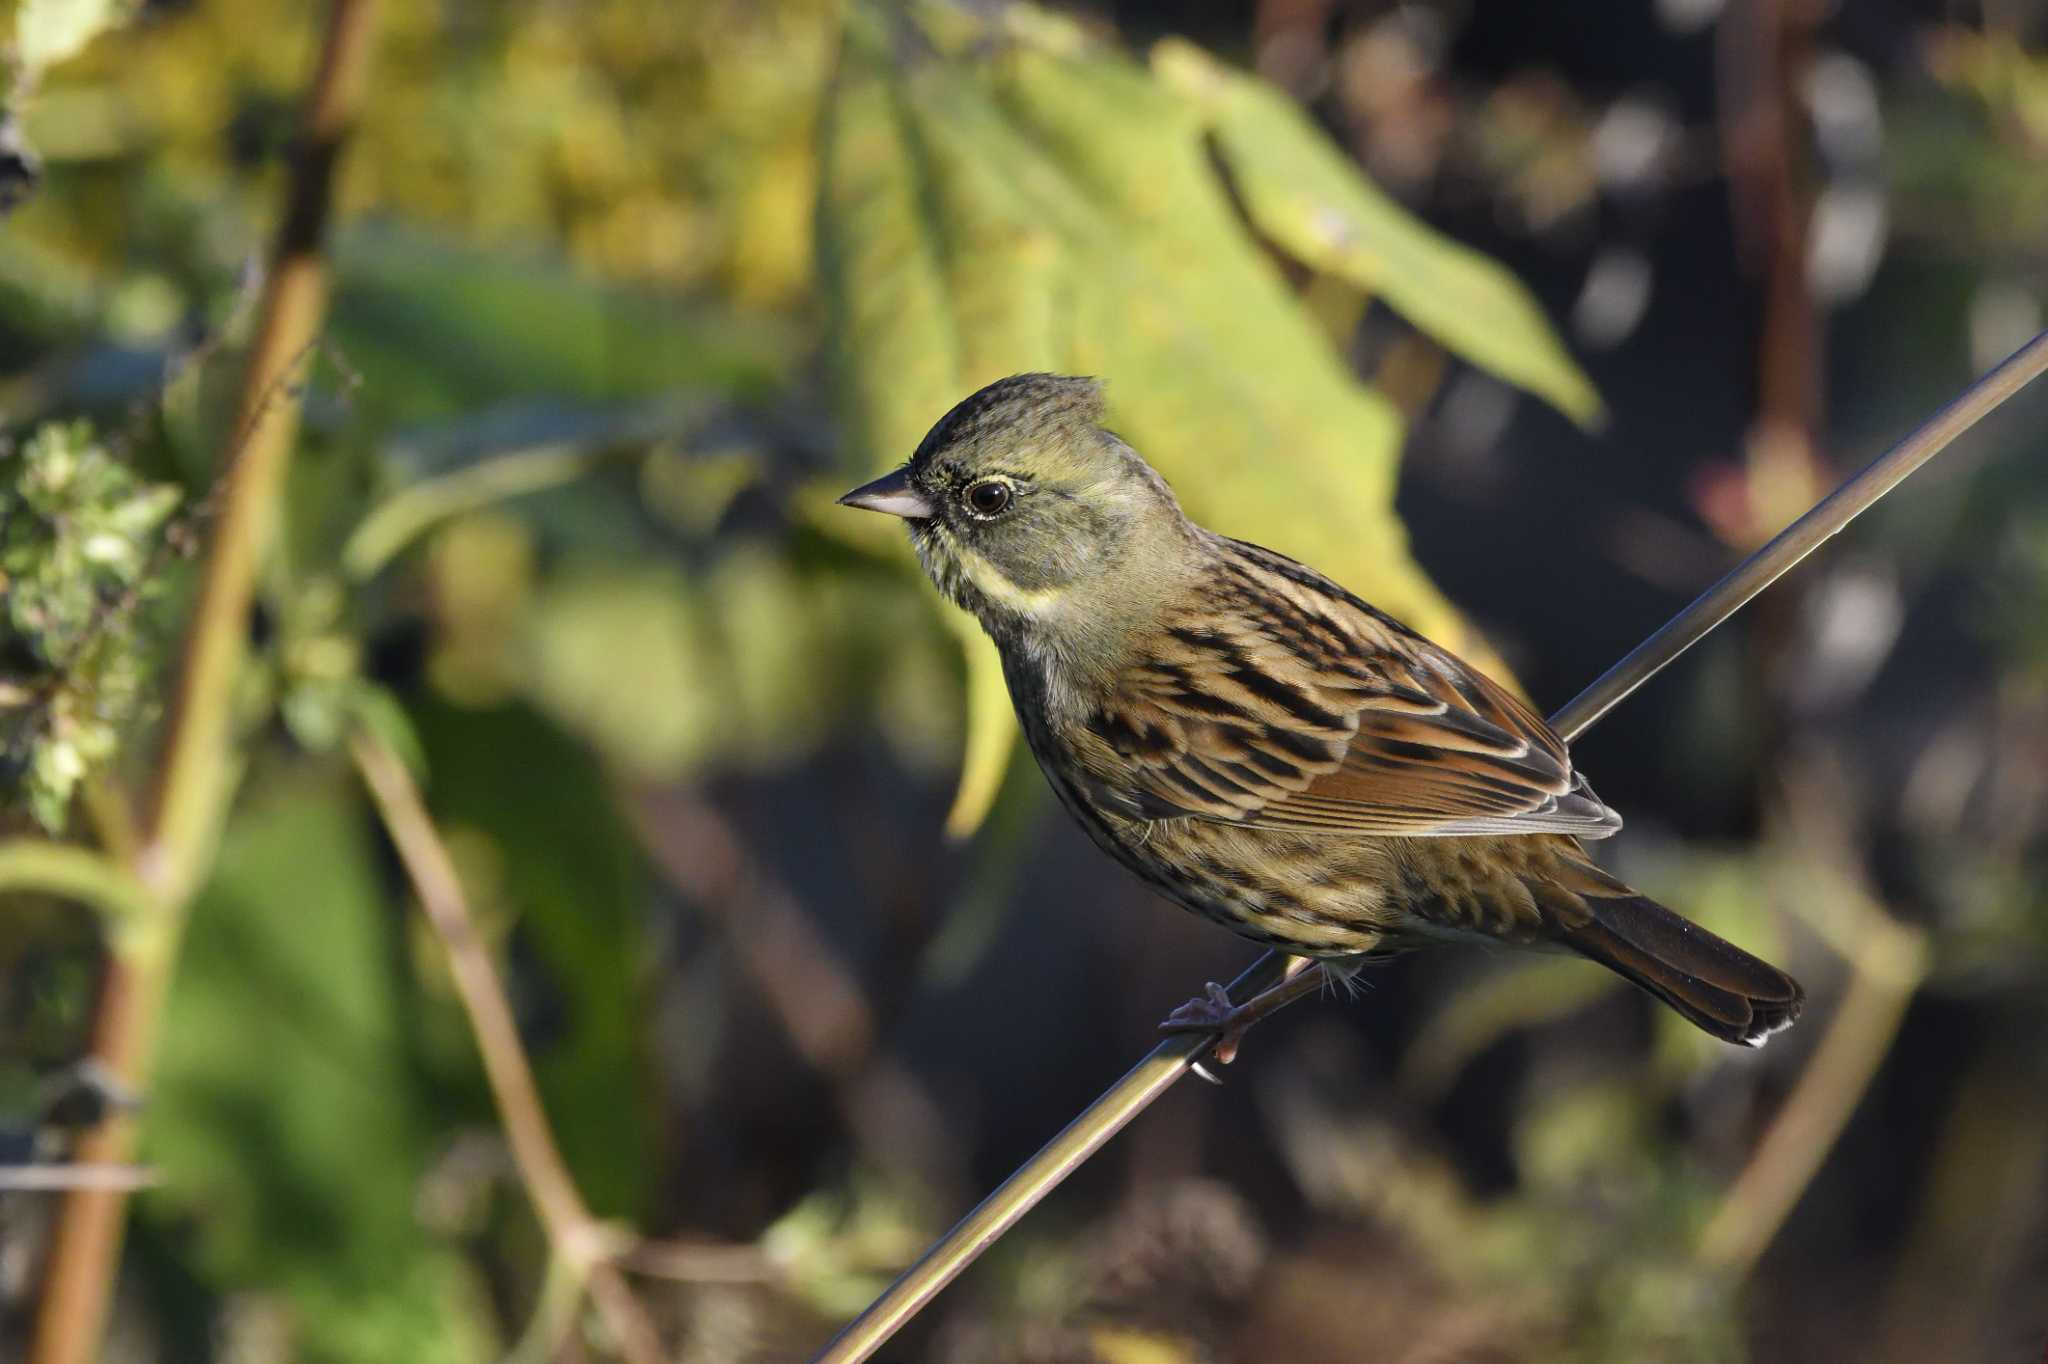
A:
x,y
1212,1012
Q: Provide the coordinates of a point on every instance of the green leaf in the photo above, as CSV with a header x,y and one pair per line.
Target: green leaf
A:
x,y
1028,201
991,732
1307,196
435,330
78,551
288,1116
891,328
744,663
627,658
47,32
935,288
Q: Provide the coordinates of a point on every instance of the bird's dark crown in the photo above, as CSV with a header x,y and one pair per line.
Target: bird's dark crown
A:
x,y
1020,410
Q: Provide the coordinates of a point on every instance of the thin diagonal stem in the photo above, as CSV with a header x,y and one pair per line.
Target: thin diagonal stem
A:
x,y
572,1232
1800,539
1039,1176
1171,1059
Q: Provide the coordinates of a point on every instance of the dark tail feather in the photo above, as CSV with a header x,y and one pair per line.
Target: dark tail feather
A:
x,y
1714,984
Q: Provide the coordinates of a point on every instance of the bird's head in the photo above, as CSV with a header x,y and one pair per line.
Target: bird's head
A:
x,y
1030,515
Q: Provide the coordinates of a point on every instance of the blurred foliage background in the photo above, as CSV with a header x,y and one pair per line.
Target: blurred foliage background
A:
x,y
1546,312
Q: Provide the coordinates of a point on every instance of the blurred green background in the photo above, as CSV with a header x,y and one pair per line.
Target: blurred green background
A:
x,y
1524,321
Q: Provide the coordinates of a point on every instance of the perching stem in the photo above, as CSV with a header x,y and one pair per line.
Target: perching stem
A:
x,y
1800,539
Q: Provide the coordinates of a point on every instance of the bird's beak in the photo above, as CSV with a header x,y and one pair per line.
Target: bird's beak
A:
x,y
893,494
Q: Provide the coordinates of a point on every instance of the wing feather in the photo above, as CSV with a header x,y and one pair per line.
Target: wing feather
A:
x,y
1287,703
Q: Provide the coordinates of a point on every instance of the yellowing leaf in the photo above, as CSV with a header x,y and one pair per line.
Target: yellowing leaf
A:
x,y
50,31
1214,370
991,732
890,323
936,289
1304,193
1034,201
1120,1346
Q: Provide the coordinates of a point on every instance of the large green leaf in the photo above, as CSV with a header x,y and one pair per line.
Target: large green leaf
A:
x,y
1307,196
936,288
288,1117
436,330
892,326
1017,198
745,662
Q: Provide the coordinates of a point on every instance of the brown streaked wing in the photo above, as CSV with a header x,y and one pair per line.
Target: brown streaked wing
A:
x,y
1285,702
1211,724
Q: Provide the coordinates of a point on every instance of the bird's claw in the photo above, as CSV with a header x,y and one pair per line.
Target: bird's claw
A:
x,y
1211,1012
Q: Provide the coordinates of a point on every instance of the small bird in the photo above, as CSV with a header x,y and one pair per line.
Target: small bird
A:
x,y
1261,745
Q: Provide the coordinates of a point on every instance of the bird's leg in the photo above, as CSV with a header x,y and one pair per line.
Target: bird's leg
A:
x,y
1212,1011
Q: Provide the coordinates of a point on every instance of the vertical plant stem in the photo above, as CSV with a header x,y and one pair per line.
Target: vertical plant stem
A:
x,y
182,819
1766,52
189,797
575,1238
85,1246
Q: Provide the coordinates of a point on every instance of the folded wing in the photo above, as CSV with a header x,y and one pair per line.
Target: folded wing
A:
x,y
1287,703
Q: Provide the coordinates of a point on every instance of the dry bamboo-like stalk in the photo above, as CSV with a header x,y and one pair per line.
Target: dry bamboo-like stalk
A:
x,y
194,777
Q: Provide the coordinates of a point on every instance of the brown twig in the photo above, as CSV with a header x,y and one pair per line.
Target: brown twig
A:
x,y
697,1262
574,1236
1766,48
189,797
85,1245
58,1178
810,991
187,803
802,980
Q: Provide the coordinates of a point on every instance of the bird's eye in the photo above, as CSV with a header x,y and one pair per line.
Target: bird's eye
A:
x,y
990,497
